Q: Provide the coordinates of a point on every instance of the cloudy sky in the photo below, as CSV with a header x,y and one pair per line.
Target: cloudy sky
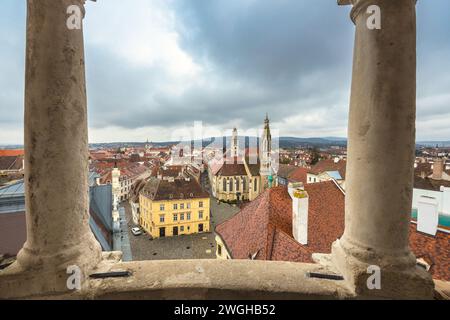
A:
x,y
154,66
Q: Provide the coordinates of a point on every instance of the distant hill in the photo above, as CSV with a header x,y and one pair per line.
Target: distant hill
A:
x,y
284,142
292,142
11,146
441,144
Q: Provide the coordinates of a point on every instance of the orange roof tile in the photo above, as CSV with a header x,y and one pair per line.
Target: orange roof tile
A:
x,y
11,153
264,226
258,226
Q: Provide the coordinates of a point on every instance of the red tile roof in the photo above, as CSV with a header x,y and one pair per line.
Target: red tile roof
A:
x,y
284,170
11,153
228,167
215,166
434,250
298,175
292,173
136,188
128,170
259,226
232,169
156,189
329,165
264,226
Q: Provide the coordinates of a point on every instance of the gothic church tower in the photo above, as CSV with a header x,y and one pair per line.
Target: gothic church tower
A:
x,y
234,144
265,149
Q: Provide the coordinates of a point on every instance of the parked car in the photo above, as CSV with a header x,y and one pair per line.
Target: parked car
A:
x,y
136,231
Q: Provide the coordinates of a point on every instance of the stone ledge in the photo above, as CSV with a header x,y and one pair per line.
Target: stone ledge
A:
x,y
202,279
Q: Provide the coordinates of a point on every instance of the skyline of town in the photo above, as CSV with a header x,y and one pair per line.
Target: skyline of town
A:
x,y
161,65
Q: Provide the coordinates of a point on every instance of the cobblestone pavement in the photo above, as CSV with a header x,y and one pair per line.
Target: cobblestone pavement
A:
x,y
196,246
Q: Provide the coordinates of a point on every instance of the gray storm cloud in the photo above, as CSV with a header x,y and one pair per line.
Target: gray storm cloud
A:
x,y
289,58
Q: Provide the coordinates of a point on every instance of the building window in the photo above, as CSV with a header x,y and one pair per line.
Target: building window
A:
x,y
200,214
224,184
188,205
161,207
181,206
188,216
175,206
200,204
182,228
181,216
175,217
231,184
219,249
243,184
161,218
255,184
237,184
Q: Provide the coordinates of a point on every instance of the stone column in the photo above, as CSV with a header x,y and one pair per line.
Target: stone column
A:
x,y
381,145
56,146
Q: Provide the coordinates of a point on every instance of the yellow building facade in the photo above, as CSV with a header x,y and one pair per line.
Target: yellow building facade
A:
x,y
171,208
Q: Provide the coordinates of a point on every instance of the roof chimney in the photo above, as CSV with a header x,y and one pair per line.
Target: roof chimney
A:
x,y
427,215
299,212
438,168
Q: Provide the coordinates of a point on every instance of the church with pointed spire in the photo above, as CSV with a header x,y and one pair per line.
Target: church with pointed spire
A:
x,y
243,173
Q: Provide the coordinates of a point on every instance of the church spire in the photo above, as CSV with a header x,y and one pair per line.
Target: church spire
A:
x,y
234,144
265,154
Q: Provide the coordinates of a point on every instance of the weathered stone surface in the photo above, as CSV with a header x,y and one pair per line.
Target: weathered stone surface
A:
x,y
193,279
381,145
56,144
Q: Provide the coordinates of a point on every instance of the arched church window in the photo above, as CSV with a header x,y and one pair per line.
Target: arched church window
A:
x,y
237,184
224,184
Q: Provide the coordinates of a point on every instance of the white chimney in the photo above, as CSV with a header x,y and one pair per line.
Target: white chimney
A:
x,y
427,215
299,212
